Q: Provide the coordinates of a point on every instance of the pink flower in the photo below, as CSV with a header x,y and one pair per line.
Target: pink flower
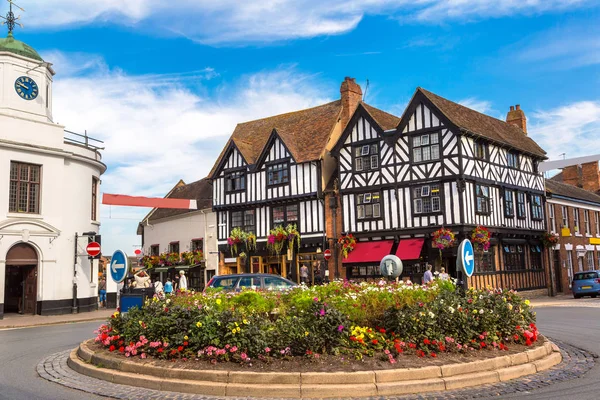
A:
x,y
143,355
322,312
340,328
234,349
267,350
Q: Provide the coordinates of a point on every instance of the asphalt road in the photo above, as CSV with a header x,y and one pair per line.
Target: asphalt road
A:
x,y
22,349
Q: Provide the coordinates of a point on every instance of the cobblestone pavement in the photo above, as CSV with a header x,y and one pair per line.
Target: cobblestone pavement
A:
x,y
576,362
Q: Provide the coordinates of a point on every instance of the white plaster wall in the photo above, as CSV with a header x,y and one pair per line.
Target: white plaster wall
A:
x,y
182,229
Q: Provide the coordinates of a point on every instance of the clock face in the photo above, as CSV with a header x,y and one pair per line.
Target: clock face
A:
x,y
26,88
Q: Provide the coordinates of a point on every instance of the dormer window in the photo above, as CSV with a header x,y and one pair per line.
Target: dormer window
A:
x,y
426,147
235,182
512,159
366,157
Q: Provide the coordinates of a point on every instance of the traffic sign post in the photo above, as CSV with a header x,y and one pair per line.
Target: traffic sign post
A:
x,y
93,249
327,254
119,266
466,258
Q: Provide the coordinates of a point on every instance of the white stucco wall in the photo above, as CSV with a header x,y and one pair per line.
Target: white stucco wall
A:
x,y
183,228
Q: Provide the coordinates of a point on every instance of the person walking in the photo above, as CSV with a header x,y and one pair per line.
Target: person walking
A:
x,y
318,277
102,292
304,274
168,287
427,276
443,275
182,281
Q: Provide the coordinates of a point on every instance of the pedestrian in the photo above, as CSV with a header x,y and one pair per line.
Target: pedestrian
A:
x,y
304,274
427,276
443,275
102,292
182,281
159,291
318,277
168,287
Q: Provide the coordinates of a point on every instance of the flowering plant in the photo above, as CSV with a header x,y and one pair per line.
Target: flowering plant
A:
x,y
549,239
481,237
293,235
192,257
276,239
347,243
150,262
236,237
251,242
443,238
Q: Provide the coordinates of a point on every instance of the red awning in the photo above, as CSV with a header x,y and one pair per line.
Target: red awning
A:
x,y
138,201
369,252
409,249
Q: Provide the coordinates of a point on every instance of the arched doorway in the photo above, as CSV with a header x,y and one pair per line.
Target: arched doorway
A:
x,y
20,283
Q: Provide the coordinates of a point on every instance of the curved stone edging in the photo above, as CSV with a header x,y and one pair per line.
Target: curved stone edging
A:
x,y
315,384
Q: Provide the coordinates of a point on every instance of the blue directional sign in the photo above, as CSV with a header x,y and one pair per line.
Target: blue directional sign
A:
x,y
119,266
466,257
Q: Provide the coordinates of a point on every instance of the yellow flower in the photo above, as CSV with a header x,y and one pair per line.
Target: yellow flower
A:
x,y
236,324
219,323
218,301
527,302
306,333
233,331
185,338
141,322
238,329
199,324
245,321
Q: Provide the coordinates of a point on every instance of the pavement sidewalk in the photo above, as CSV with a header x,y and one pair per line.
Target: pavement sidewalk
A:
x,y
564,301
23,321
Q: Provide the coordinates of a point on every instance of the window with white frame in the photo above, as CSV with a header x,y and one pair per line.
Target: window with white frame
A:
x,y
564,212
368,205
536,207
24,189
586,221
570,260
590,260
426,147
427,199
482,199
512,159
551,218
521,213
509,203
366,157
576,220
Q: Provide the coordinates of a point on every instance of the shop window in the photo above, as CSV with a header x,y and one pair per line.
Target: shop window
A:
x,y
536,257
485,260
514,257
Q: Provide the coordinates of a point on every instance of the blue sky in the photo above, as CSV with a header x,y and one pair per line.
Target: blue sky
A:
x,y
164,83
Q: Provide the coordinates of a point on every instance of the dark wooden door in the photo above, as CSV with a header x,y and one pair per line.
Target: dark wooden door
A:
x,y
30,288
557,270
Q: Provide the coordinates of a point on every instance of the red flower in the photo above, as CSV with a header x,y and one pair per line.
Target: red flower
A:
x,y
433,354
382,330
121,349
160,350
112,348
442,347
180,349
173,352
426,341
374,341
185,343
516,338
518,327
482,345
527,342
420,353
166,309
434,342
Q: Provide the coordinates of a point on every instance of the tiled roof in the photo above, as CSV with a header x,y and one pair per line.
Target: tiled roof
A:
x,y
484,125
200,190
573,192
385,120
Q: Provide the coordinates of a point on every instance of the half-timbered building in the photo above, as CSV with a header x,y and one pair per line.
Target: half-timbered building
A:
x,y
443,165
273,172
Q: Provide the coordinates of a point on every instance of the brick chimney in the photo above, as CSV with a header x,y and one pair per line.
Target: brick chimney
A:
x,y
585,176
516,117
572,175
351,96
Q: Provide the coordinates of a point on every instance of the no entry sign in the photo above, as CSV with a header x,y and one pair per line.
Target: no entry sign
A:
x,y
327,254
93,249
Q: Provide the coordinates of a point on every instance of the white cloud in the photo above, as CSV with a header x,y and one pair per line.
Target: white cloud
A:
x,y
157,131
571,129
483,106
234,21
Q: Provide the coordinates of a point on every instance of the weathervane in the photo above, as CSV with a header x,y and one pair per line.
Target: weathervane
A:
x,y
10,20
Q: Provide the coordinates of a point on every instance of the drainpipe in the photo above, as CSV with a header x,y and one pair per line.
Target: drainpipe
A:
x,y
74,306
333,207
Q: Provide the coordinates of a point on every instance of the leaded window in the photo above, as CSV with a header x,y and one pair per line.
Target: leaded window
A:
x,y
366,157
427,199
521,211
235,181
368,205
426,147
485,260
536,257
482,199
536,207
509,203
278,174
24,190
480,150
244,220
514,257
512,159
284,215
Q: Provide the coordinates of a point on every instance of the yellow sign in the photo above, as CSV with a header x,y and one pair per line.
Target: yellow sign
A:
x,y
565,232
594,240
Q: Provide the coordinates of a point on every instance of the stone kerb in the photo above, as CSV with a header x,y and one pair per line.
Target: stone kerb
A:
x,y
111,368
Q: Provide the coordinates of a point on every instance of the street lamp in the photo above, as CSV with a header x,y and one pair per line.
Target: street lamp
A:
x,y
74,306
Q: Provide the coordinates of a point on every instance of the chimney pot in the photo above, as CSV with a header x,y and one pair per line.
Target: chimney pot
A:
x,y
518,106
516,117
512,108
351,95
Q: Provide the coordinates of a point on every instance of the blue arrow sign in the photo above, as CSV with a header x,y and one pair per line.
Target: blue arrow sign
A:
x,y
119,266
466,257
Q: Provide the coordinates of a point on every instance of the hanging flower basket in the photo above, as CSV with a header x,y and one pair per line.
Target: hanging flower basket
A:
x,y
481,238
276,239
150,262
293,236
251,242
347,244
549,240
235,239
443,239
192,257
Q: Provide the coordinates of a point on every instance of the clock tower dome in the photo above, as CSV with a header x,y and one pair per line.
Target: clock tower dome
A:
x,y
25,78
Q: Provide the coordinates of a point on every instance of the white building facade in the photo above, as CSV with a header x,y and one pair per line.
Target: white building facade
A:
x,y
50,195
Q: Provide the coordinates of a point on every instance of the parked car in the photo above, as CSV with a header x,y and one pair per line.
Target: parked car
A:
x,y
236,282
586,284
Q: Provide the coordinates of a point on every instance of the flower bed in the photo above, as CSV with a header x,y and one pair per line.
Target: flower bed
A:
x,y
341,319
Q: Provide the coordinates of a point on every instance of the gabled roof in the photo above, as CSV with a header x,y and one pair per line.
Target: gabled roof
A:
x,y
483,125
385,120
200,190
570,191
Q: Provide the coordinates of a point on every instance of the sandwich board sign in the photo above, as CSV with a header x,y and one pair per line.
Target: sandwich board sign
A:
x,y
466,257
119,266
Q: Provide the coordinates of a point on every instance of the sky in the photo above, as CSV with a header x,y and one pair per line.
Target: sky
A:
x,y
163,83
